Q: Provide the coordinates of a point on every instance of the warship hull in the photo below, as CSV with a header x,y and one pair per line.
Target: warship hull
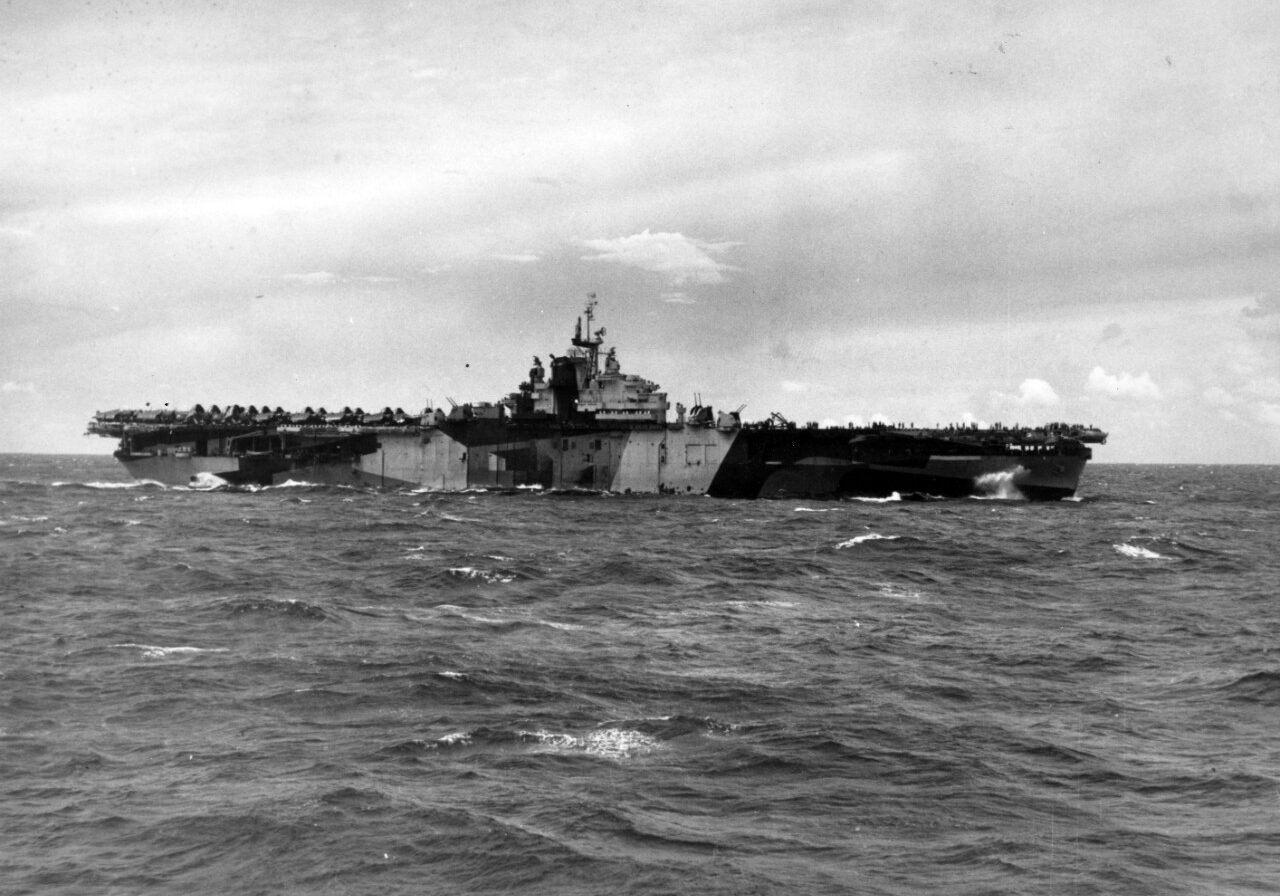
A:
x,y
586,425
740,463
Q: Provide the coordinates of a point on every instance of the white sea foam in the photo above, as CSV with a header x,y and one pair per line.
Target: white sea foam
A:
x,y
619,743
453,676
611,743
206,482
870,536
1138,552
898,592
294,483
562,626
813,509
456,739
893,497
999,486
155,652
485,575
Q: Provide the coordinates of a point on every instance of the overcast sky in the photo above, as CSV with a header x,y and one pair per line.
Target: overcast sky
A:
x,y
1016,212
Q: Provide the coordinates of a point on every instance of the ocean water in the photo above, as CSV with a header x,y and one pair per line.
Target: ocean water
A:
x,y
322,690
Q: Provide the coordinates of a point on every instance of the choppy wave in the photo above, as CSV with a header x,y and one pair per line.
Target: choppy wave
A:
x,y
526,694
1257,687
110,485
288,607
484,575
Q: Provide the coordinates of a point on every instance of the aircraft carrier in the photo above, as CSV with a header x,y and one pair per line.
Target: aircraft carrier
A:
x,y
580,423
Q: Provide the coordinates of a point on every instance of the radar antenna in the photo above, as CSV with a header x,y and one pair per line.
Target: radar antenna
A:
x,y
593,341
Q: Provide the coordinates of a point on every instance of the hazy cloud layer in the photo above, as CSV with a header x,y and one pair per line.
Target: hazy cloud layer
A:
x,y
897,211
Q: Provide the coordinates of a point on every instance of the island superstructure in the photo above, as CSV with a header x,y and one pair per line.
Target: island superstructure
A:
x,y
584,424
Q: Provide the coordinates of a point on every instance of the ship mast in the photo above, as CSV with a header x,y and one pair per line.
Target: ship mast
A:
x,y
593,341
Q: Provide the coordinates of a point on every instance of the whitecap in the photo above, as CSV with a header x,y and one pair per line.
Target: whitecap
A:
x,y
470,572
548,739
1138,552
154,652
454,676
619,743
870,536
899,592
893,497
611,743
456,739
754,604
813,510
562,626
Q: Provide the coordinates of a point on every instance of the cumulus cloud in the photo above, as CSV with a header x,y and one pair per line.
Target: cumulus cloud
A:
x,y
519,258
1036,393
1032,393
1123,385
10,386
681,259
